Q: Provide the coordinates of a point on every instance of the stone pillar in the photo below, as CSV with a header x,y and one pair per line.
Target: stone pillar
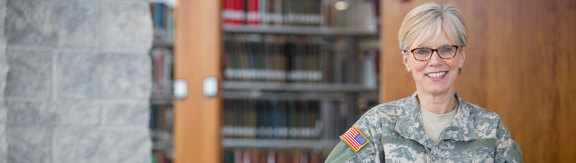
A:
x,y
3,71
78,83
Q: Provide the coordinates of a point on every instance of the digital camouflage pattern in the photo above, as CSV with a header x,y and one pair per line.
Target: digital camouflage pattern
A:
x,y
396,134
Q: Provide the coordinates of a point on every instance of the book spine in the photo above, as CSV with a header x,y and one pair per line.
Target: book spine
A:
x,y
158,56
167,74
291,119
290,62
238,12
268,12
158,16
253,13
170,25
228,12
252,125
154,56
261,132
282,128
277,17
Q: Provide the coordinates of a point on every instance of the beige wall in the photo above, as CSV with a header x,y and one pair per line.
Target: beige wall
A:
x,y
521,63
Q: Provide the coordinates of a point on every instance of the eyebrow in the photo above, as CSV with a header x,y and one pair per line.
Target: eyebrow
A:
x,y
432,48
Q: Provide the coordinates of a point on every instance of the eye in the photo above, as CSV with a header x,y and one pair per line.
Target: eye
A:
x,y
447,49
422,51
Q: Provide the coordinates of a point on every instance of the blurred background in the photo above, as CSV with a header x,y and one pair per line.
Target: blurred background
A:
x,y
259,80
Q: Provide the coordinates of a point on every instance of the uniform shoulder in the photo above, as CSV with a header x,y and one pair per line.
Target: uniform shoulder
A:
x,y
384,115
479,112
488,124
379,120
392,108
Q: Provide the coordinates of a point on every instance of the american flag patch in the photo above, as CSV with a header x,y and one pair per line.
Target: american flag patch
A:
x,y
355,139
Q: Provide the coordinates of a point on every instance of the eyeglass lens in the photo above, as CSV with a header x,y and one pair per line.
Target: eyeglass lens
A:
x,y
445,52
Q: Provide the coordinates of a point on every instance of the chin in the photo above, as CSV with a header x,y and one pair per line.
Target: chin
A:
x,y
437,90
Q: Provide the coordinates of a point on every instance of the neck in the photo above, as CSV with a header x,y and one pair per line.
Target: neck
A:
x,y
437,103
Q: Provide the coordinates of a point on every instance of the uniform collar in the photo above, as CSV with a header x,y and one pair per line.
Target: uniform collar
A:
x,y
409,124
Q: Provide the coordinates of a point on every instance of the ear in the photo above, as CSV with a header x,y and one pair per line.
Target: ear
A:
x,y
405,61
462,58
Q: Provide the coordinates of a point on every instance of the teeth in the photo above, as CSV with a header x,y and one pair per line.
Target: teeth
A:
x,y
436,75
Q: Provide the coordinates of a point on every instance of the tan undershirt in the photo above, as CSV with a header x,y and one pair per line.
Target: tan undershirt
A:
x,y
434,123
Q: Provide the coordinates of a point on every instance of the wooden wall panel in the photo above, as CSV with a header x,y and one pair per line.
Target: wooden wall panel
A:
x,y
521,63
197,56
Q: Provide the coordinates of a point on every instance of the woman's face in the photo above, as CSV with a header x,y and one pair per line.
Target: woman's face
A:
x,y
437,75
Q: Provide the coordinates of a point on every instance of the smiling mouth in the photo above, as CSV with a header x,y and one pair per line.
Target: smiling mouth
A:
x,y
436,74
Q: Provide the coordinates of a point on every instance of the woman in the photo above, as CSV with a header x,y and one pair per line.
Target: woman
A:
x,y
435,124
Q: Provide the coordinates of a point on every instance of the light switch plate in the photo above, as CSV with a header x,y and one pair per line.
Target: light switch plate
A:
x,y
210,87
180,89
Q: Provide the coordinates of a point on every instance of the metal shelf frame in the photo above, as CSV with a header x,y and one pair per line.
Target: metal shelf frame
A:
x,y
279,143
307,87
298,30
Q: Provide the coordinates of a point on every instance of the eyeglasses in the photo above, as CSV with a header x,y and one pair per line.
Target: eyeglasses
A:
x,y
444,52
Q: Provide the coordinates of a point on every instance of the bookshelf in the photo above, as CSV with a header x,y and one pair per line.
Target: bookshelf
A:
x,y
291,87
161,98
290,80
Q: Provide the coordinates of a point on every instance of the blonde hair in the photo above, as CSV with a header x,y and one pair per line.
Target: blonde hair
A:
x,y
428,20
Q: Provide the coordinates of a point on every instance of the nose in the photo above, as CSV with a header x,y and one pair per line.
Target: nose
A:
x,y
435,59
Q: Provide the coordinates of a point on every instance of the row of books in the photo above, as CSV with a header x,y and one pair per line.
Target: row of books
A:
x,y
162,116
353,14
161,157
278,119
280,58
271,156
161,121
162,68
272,12
161,132
164,22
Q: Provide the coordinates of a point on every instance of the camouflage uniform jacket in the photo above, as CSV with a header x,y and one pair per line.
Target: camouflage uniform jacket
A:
x,y
395,134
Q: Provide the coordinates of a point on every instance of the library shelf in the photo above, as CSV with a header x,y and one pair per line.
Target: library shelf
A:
x,y
210,37
164,141
299,30
163,43
269,95
272,86
162,146
161,98
171,3
278,143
